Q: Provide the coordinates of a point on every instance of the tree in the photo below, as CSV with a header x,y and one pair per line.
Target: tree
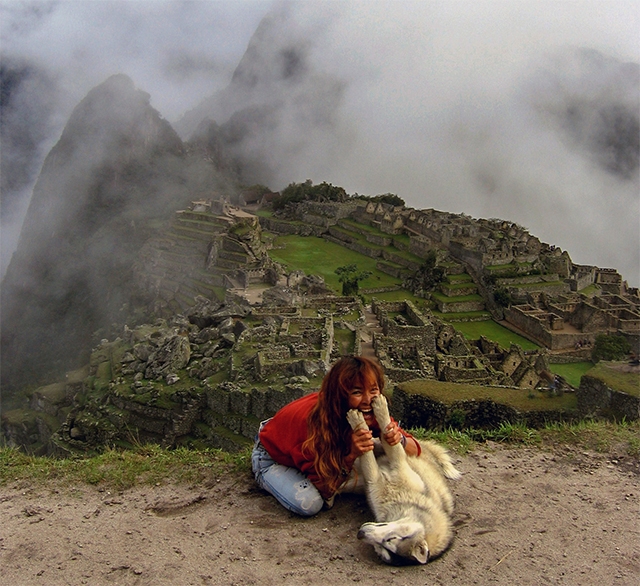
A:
x,y
428,276
390,198
502,297
350,277
307,191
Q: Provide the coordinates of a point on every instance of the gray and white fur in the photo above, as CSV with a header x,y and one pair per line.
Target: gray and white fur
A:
x,y
408,495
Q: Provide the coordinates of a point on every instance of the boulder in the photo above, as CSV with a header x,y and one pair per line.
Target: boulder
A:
x,y
172,356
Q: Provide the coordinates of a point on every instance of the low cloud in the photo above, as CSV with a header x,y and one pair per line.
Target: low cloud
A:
x,y
495,109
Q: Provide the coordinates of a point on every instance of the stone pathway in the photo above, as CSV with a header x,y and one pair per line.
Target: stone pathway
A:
x,y
371,326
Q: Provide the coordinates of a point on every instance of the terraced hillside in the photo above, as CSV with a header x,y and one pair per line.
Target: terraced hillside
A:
x,y
201,253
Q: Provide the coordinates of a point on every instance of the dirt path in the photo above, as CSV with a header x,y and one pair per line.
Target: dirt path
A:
x,y
523,517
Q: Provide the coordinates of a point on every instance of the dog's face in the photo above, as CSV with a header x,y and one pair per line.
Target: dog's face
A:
x,y
397,542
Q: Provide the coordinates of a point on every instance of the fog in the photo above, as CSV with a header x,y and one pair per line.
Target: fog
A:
x,y
522,111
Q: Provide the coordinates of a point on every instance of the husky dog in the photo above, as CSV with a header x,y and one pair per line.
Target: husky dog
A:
x,y
408,495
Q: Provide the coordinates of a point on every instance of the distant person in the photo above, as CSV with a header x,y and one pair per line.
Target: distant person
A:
x,y
304,455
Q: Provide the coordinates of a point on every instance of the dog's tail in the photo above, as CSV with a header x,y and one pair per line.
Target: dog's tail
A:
x,y
441,457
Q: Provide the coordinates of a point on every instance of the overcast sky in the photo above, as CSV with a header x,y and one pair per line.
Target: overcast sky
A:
x,y
442,104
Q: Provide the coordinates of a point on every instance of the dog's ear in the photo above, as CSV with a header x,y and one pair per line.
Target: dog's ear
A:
x,y
420,552
383,554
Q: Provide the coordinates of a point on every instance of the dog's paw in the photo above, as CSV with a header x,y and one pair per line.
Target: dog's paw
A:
x,y
356,419
381,410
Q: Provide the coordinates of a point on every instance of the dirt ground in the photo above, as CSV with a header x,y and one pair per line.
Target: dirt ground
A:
x,y
523,516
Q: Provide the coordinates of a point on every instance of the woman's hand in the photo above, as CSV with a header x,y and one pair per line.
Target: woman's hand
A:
x,y
361,442
392,434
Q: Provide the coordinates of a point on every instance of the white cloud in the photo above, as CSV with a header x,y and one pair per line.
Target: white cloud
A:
x,y
436,101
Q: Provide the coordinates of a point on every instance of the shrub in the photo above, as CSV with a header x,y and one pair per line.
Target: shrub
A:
x,y
610,347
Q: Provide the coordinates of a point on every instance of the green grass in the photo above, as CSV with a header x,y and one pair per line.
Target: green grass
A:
x,y
121,469
152,465
344,340
572,372
455,316
461,278
493,331
599,436
590,290
320,257
399,295
626,382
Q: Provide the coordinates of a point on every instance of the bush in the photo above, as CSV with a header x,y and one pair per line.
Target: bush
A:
x,y
388,198
606,347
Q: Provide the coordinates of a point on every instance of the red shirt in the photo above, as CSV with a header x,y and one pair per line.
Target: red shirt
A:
x,y
283,436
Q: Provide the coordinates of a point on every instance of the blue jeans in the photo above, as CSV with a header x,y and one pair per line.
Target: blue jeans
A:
x,y
293,490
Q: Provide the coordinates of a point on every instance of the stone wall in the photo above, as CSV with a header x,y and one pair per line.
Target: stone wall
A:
x,y
596,399
460,307
361,248
396,272
418,410
284,227
536,330
400,260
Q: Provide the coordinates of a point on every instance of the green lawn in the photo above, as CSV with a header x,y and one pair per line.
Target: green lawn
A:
x,y
320,257
571,372
494,331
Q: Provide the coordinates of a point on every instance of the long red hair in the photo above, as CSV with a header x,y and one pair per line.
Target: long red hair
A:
x,y
329,432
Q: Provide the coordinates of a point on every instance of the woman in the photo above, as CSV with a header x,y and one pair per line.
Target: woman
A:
x,y
304,454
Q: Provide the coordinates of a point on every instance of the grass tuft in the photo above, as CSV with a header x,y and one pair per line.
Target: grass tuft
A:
x,y
599,436
121,469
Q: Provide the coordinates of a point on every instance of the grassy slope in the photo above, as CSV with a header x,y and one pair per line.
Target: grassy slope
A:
x,y
520,399
494,331
320,257
572,372
609,374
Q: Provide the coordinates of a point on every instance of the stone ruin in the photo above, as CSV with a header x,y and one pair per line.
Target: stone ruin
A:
x,y
208,373
418,345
